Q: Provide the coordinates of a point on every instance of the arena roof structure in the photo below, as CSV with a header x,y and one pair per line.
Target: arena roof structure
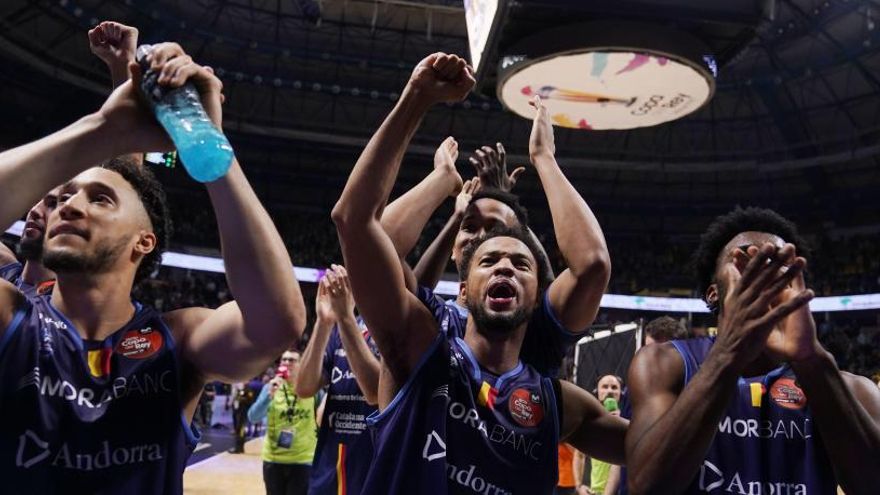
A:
x,y
793,124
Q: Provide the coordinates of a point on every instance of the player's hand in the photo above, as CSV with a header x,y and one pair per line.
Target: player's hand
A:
x,y
753,300
114,43
176,68
491,166
463,199
444,161
323,307
794,338
541,141
129,121
442,78
341,298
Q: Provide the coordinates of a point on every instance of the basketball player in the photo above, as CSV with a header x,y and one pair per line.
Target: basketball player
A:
x,y
115,45
762,407
463,415
97,392
554,328
30,277
343,358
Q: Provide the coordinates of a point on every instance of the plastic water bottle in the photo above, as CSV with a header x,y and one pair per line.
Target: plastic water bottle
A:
x,y
204,150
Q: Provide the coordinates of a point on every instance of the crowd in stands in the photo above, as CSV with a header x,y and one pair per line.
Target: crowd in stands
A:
x,y
645,266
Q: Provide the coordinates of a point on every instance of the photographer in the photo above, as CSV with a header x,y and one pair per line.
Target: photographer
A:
x,y
290,435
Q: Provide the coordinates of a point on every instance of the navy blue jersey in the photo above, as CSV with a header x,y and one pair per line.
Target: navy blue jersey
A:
x,y
455,428
13,272
345,447
546,341
766,441
87,416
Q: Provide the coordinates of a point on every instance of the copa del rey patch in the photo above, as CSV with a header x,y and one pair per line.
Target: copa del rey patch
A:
x,y
140,344
526,408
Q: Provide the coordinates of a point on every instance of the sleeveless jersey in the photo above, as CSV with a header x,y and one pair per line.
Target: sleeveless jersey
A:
x,y
766,441
546,341
454,428
345,447
87,416
12,273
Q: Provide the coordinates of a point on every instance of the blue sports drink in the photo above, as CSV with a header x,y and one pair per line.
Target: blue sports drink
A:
x,y
204,150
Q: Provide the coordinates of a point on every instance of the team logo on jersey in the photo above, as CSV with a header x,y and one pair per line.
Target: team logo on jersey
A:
x,y
33,450
140,344
526,407
787,394
435,447
337,374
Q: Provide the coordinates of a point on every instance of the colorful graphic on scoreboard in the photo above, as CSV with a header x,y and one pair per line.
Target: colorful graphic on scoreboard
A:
x,y
608,90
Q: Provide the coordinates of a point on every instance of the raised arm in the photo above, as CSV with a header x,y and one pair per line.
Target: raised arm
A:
x,y
406,217
402,327
310,377
845,408
120,127
363,362
240,338
432,264
576,293
589,427
115,44
673,425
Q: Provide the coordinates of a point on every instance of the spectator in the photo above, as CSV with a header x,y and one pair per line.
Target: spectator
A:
x,y
242,398
568,479
608,390
290,433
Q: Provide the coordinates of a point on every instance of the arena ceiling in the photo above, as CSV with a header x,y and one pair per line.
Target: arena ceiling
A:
x,y
794,123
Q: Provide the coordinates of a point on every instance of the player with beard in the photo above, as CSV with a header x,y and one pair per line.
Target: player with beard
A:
x,y
121,423
463,415
30,277
115,45
560,322
762,407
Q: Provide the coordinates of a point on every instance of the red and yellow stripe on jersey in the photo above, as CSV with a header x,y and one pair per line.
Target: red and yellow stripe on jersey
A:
x,y
340,471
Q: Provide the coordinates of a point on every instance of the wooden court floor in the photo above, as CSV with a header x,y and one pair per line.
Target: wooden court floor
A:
x,y
227,474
